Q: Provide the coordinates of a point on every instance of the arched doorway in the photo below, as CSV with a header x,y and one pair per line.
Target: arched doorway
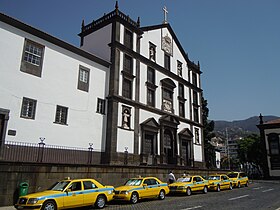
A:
x,y
168,146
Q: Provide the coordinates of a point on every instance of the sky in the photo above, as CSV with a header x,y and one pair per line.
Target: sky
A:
x,y
237,42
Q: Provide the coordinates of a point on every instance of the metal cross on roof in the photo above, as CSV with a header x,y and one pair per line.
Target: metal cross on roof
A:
x,y
165,14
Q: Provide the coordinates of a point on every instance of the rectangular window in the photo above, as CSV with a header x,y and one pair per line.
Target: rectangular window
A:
x,y
101,106
128,64
182,109
195,114
127,88
195,97
194,79
83,78
28,108
61,115
128,39
32,58
181,90
167,62
150,97
179,68
151,75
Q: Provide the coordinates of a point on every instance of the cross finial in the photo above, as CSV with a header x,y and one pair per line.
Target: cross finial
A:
x,y
165,14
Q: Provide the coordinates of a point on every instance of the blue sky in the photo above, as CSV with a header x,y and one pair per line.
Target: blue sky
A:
x,y
237,42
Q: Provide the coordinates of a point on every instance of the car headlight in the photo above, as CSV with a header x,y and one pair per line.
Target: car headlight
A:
x,y
110,192
124,192
32,200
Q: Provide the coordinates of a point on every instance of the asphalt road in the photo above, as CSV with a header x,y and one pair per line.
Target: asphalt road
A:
x,y
258,196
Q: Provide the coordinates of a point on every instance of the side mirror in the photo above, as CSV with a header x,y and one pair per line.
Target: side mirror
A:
x,y
145,185
68,190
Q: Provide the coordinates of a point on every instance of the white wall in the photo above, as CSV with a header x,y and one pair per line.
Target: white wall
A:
x,y
97,42
154,37
57,86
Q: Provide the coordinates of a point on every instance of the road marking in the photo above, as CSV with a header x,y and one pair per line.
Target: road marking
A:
x,y
268,190
243,196
257,188
195,207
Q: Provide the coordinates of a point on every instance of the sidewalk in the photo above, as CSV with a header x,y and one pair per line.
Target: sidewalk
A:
x,y
7,208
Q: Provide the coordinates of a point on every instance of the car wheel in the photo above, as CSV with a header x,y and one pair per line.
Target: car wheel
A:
x,y
49,205
134,198
230,186
218,188
100,202
189,191
161,195
205,190
247,184
238,185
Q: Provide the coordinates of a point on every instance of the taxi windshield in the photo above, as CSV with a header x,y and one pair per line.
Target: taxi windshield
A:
x,y
233,175
184,179
214,178
59,186
133,182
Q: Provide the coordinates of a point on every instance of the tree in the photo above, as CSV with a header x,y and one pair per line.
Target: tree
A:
x,y
250,151
208,134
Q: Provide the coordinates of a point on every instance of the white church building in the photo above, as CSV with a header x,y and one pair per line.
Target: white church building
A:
x,y
127,90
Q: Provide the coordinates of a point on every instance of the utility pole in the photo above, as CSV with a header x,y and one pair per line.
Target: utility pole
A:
x,y
228,149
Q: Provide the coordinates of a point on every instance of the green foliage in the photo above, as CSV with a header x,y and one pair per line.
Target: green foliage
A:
x,y
209,150
249,150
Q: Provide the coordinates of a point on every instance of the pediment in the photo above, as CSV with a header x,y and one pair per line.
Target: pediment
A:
x,y
186,133
169,119
150,122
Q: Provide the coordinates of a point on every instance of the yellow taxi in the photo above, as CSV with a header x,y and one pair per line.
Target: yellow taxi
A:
x,y
68,194
189,184
218,182
238,179
141,187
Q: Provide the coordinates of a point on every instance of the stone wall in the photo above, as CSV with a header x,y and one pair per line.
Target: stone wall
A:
x,y
42,176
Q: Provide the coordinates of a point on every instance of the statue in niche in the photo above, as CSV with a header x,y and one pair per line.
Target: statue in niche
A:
x,y
126,119
153,53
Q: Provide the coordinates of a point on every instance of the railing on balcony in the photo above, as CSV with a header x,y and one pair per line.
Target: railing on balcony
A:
x,y
43,153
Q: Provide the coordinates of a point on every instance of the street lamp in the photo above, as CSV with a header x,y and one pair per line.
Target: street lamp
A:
x,y
125,155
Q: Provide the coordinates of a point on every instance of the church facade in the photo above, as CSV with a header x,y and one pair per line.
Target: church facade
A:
x,y
128,91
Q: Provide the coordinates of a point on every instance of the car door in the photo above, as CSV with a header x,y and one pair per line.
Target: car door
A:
x,y
91,192
224,182
200,183
196,185
74,195
148,190
242,178
154,187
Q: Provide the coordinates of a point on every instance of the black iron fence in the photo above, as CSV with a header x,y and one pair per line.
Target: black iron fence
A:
x,y
43,153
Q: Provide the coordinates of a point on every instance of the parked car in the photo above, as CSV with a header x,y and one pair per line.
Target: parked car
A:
x,y
218,182
238,179
142,187
189,184
68,194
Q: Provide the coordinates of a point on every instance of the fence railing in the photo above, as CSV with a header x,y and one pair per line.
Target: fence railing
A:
x,y
43,153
